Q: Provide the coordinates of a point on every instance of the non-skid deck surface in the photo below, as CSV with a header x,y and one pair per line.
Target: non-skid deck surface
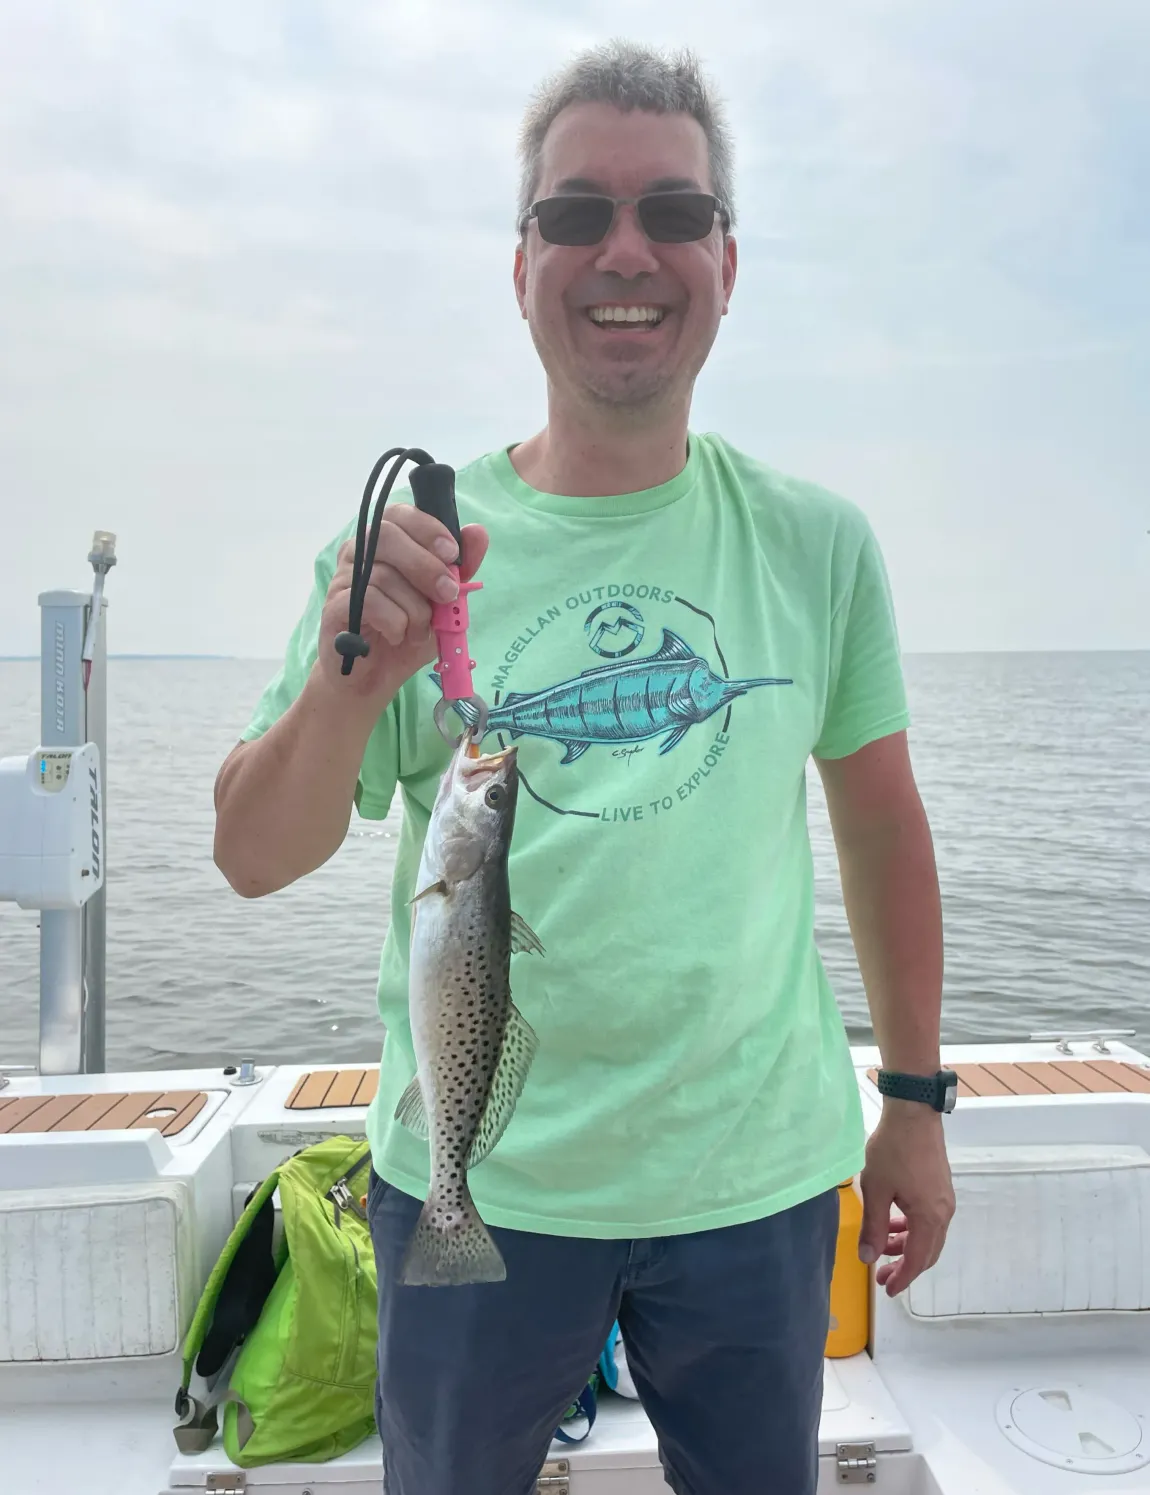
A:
x,y
168,1111
1049,1077
324,1088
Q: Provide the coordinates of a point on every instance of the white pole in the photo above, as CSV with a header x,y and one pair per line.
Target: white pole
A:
x,y
72,941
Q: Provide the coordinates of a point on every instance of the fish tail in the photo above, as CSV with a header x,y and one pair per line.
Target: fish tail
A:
x,y
451,1247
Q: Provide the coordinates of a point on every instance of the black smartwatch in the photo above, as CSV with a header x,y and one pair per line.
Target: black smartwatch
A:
x,y
939,1091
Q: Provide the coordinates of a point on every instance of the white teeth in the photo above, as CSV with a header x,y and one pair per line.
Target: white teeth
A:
x,y
600,314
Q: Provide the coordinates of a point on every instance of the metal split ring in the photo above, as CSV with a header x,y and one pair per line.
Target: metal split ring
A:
x,y
477,725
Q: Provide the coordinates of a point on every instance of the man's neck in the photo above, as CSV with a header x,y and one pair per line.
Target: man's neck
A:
x,y
581,455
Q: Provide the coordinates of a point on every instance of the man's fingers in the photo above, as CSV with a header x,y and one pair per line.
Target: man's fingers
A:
x,y
412,532
396,588
921,1249
385,617
876,1223
425,530
382,615
407,541
425,571
410,574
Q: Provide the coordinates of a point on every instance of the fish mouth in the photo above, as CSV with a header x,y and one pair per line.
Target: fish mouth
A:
x,y
475,767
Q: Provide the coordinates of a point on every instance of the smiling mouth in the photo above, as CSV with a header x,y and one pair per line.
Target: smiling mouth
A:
x,y
612,318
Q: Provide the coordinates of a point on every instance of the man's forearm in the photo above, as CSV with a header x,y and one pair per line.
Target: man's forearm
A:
x,y
284,801
890,889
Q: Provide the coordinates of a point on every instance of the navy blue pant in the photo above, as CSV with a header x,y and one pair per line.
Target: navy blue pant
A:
x,y
724,1332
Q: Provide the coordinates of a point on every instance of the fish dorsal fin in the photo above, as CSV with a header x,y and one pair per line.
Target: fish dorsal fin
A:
x,y
410,1111
673,647
513,697
519,1045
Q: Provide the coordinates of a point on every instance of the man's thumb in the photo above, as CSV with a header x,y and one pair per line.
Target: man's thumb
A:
x,y
875,1221
473,538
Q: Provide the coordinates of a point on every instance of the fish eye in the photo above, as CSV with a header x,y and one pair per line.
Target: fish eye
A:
x,y
494,795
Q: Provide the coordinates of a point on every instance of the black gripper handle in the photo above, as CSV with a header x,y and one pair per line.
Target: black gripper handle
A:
x,y
433,488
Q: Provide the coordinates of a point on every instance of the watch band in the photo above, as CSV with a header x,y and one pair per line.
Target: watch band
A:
x,y
938,1091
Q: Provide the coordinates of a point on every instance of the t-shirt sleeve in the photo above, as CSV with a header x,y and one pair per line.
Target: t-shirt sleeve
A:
x,y
866,693
378,773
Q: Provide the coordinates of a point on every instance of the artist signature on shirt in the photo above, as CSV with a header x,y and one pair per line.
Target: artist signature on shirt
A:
x,y
625,752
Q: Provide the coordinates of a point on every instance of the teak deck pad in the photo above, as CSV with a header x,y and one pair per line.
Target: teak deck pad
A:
x,y
167,1111
1048,1077
324,1088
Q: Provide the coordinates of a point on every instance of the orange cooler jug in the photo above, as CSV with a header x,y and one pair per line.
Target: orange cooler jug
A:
x,y
850,1284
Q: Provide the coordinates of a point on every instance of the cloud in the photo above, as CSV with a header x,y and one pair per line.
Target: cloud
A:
x,y
244,248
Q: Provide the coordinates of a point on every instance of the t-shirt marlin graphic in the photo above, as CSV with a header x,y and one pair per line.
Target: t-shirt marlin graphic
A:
x,y
667,663
669,691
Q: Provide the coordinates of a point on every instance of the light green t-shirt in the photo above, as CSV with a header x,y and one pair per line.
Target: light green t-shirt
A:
x,y
693,1070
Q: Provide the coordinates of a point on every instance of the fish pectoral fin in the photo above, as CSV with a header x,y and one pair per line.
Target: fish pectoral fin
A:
x,y
674,738
524,940
435,887
574,750
519,1045
410,1111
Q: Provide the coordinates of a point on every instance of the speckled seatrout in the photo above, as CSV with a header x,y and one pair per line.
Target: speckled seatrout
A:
x,y
473,1048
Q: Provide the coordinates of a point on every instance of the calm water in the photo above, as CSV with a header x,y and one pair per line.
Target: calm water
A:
x,y
1034,768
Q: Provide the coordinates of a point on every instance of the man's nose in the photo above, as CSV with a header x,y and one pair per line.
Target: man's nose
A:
x,y
626,250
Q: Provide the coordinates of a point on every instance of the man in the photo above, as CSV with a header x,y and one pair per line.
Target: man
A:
x,y
673,1158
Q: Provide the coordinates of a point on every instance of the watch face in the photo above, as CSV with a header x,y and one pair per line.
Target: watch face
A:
x,y
949,1098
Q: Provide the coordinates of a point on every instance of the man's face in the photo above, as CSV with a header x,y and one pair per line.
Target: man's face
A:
x,y
629,365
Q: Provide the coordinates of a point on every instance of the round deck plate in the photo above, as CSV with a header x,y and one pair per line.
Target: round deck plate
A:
x,y
1073,1428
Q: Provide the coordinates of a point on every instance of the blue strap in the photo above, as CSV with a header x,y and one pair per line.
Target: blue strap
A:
x,y
588,1407
607,1367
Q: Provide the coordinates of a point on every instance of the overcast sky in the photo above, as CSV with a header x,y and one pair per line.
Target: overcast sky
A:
x,y
246,247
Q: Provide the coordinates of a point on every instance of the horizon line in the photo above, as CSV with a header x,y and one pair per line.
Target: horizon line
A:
x,y
906,654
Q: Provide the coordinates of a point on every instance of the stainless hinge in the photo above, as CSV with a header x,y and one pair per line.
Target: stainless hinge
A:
x,y
856,1463
232,1483
554,1478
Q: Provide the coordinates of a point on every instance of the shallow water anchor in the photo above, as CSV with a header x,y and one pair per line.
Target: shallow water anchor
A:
x,y
73,711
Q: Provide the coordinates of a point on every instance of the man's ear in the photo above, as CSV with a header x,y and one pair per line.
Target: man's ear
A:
x,y
520,277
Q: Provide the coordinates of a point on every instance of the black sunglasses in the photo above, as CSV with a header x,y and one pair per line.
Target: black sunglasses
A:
x,y
665,217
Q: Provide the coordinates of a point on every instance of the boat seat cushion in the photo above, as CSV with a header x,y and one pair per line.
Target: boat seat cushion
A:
x,y
102,1272
1042,1229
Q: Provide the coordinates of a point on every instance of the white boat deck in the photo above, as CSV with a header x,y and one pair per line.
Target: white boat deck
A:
x,y
1020,1364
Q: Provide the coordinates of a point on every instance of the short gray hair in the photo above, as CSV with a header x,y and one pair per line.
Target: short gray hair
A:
x,y
629,77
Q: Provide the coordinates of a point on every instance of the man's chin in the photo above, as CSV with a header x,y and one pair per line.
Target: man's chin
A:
x,y
625,388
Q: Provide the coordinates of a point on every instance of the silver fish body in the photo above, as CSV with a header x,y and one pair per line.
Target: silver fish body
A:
x,y
473,1048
